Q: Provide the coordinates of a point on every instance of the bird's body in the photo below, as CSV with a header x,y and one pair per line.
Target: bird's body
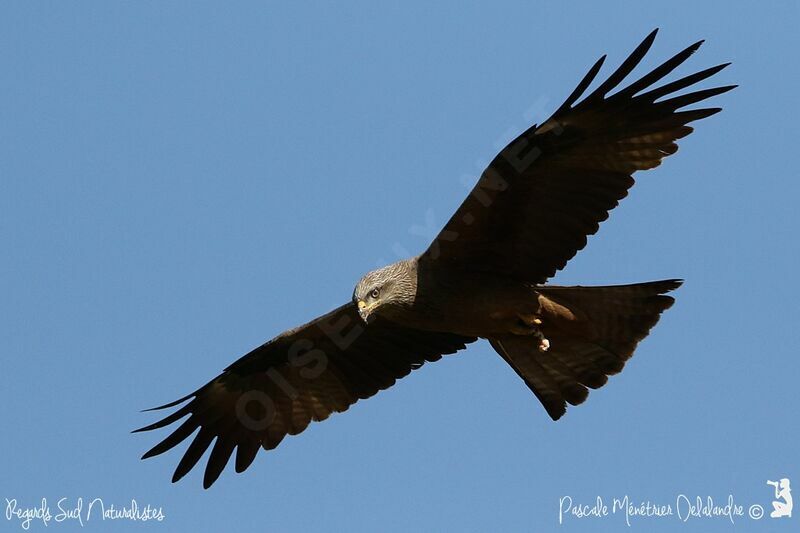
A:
x,y
473,304
484,276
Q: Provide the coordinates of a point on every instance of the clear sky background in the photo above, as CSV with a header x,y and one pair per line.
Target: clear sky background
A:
x,y
181,181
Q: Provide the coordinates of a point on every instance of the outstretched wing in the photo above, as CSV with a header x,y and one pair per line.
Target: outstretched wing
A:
x,y
302,375
549,189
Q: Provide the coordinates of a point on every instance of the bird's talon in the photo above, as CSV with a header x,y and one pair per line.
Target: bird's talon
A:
x,y
544,345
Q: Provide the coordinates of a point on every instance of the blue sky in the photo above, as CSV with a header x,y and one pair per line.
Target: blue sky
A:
x,y
180,181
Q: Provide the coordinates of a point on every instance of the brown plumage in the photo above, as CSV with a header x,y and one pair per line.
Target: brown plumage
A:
x,y
482,277
586,348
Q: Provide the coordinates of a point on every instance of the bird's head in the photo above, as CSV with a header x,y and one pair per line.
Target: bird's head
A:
x,y
385,290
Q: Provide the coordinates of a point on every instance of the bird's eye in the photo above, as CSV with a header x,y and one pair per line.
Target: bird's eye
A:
x,y
375,293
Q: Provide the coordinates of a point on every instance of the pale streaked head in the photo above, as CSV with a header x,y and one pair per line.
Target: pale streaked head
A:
x,y
384,289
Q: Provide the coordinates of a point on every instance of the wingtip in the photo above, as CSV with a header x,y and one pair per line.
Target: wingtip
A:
x,y
717,68
148,427
598,65
154,425
646,43
650,37
671,285
556,415
152,452
695,46
168,405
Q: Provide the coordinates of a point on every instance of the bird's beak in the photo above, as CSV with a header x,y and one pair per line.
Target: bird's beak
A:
x,y
363,311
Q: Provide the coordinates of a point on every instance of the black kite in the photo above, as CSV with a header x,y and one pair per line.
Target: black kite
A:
x,y
482,277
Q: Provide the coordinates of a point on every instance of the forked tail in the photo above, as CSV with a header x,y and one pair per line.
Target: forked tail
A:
x,y
592,331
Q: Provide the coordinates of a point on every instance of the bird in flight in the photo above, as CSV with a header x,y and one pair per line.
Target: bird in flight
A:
x,y
482,277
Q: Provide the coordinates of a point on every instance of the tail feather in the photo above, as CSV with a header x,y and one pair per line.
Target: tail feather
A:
x,y
617,316
593,331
